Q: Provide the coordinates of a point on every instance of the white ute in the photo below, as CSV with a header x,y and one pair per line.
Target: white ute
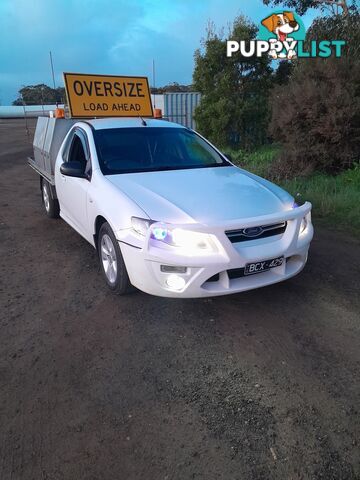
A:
x,y
167,211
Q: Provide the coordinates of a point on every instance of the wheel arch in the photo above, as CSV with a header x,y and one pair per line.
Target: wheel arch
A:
x,y
99,221
52,188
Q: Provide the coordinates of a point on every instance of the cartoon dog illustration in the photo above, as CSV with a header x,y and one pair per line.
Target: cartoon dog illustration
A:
x,y
281,24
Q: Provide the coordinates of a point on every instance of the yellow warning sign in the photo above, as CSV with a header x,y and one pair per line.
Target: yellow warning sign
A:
x,y
107,96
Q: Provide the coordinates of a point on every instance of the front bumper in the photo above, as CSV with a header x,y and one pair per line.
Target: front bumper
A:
x,y
143,258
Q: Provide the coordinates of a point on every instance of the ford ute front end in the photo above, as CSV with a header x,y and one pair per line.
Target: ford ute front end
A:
x,y
208,227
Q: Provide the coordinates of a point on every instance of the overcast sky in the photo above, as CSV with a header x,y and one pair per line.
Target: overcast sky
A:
x,y
108,36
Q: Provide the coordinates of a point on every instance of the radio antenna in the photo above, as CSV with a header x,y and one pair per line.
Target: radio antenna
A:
x,y
42,100
153,72
25,117
53,77
143,123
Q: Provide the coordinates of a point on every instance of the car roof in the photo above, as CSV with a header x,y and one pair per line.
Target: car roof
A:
x,y
126,122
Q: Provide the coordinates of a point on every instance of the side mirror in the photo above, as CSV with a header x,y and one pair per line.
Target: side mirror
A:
x,y
72,169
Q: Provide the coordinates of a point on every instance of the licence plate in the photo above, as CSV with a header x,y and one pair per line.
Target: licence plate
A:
x,y
265,265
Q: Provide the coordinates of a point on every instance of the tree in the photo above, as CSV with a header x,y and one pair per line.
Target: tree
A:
x,y
233,108
320,127
40,94
172,87
283,73
338,28
301,6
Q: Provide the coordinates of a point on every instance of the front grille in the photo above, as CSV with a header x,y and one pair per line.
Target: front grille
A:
x,y
253,233
214,278
235,273
232,274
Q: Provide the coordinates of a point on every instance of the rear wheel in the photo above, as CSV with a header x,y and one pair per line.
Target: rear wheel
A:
x,y
112,262
51,204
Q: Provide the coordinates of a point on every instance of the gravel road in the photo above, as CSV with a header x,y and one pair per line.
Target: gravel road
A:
x,y
258,385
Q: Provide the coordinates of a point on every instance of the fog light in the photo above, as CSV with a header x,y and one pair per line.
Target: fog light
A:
x,y
175,282
172,269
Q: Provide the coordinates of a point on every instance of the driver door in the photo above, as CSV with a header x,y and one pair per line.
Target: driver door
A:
x,y
73,192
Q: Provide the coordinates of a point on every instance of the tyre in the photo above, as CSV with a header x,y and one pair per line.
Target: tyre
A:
x,y
112,262
51,204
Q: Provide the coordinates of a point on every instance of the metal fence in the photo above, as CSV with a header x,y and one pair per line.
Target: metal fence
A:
x,y
180,107
29,111
177,107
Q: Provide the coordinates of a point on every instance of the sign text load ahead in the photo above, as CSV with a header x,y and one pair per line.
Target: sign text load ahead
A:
x,y
107,96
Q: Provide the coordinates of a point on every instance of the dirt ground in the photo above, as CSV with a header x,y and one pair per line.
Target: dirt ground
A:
x,y
258,385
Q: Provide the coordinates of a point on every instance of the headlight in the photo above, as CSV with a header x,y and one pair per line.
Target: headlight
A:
x,y
303,226
140,225
189,241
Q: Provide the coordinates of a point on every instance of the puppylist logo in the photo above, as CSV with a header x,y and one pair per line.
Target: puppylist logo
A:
x,y
282,36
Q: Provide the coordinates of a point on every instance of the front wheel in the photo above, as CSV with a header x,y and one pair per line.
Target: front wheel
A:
x,y
112,262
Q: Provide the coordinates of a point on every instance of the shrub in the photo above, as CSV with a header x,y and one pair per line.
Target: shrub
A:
x,y
316,116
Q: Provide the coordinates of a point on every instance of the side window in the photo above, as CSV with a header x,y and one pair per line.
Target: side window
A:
x,y
78,153
65,152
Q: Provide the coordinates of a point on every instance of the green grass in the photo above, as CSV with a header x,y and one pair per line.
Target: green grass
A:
x,y
335,199
257,161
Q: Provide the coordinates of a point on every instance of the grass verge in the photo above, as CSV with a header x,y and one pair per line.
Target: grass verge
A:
x,y
335,199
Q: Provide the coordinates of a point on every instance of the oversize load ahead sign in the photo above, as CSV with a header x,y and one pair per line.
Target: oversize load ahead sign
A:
x,y
107,96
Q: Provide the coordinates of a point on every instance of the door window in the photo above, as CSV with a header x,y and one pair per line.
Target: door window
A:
x,y
77,154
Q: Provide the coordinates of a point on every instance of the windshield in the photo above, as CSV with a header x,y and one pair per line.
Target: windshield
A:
x,y
128,150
